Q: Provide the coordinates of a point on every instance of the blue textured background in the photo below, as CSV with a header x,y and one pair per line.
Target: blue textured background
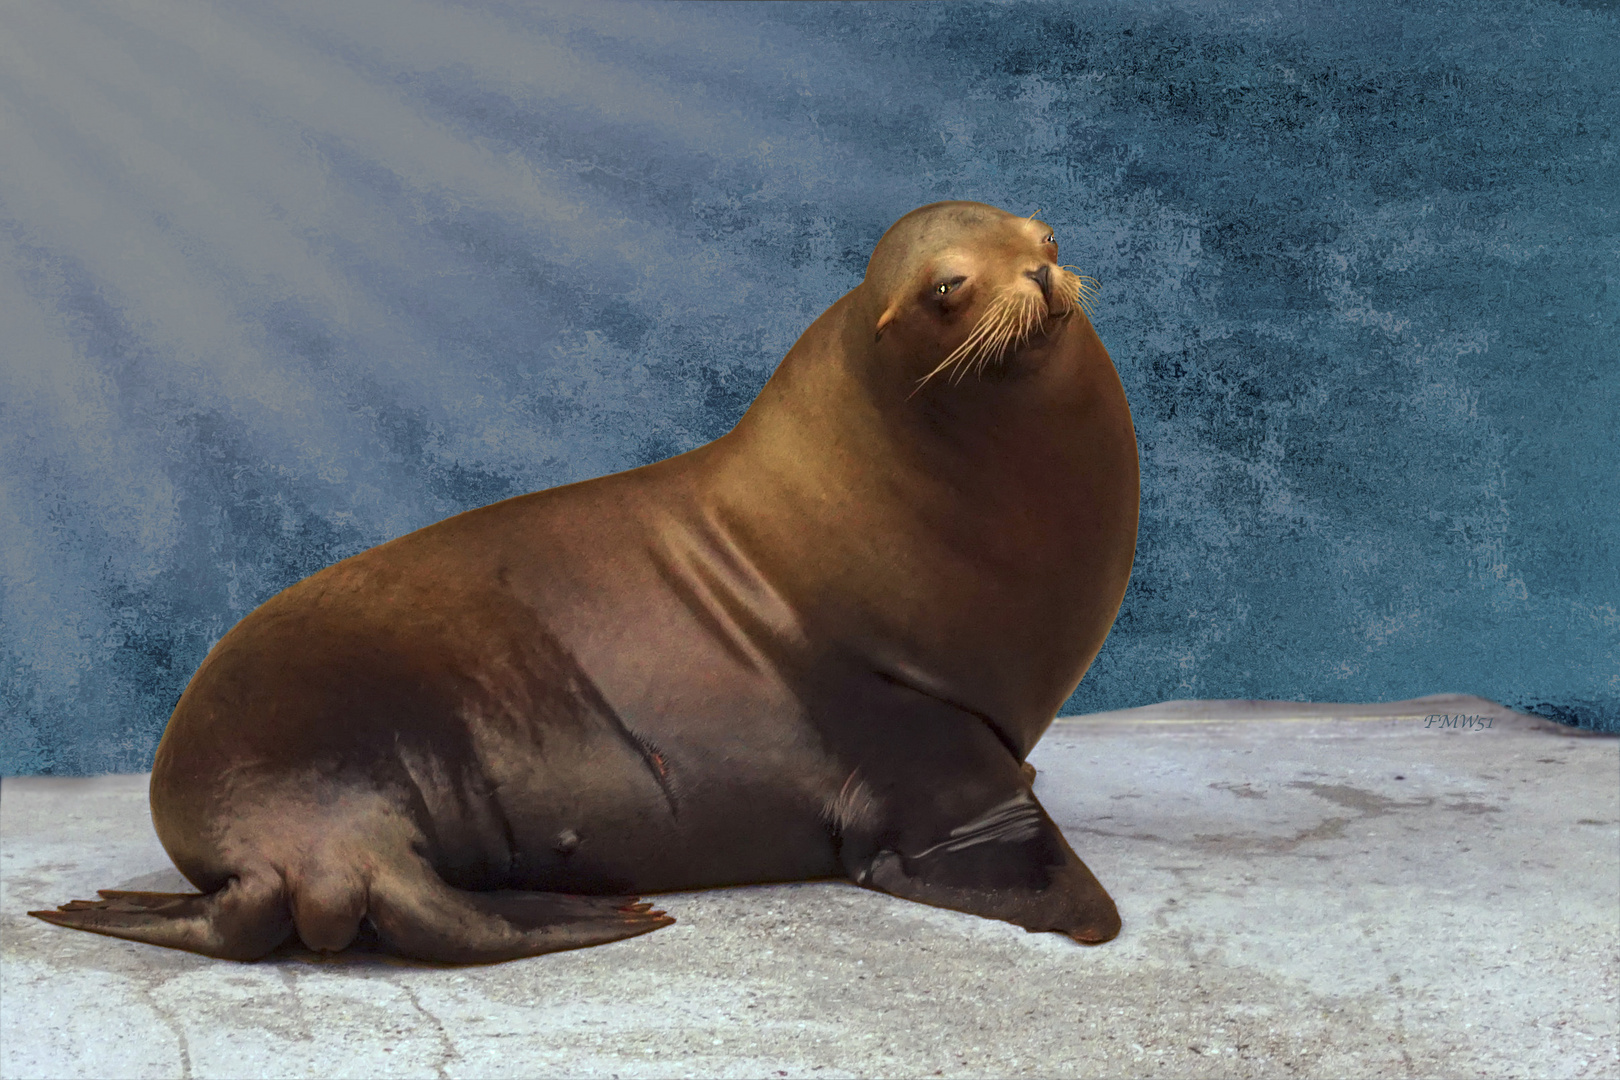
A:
x,y
278,283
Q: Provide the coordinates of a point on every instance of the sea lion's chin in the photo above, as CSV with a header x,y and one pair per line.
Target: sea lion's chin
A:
x,y
1046,335
1032,344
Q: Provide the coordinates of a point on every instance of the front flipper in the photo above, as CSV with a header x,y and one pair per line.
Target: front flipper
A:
x,y
937,807
1010,863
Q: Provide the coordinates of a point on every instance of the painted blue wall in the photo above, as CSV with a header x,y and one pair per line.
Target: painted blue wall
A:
x,y
278,283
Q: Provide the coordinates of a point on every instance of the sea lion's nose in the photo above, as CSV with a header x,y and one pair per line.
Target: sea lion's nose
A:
x,y
1043,278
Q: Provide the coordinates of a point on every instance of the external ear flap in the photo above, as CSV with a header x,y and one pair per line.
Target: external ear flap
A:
x,y
884,320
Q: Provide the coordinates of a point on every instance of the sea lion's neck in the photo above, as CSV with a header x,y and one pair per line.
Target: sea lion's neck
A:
x,y
958,530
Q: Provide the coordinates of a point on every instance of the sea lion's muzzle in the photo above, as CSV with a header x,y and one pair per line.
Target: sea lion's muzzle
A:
x,y
1043,278
1062,292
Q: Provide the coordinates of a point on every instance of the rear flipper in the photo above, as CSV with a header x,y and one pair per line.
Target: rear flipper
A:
x,y
414,913
418,915
244,920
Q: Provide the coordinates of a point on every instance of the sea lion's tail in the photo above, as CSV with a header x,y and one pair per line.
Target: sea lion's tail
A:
x,y
414,912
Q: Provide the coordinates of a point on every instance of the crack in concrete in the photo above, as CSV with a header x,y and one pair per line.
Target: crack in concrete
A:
x,y
148,990
448,1051
299,1016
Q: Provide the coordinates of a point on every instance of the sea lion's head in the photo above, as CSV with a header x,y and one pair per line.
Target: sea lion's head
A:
x,y
961,288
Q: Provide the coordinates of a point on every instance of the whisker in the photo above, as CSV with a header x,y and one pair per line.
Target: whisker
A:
x,y
1008,322
1086,290
1014,327
981,340
978,333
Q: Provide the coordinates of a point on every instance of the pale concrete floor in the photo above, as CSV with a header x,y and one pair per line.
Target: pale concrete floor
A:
x,y
1312,897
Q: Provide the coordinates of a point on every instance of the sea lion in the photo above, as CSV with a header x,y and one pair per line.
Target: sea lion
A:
x,y
821,645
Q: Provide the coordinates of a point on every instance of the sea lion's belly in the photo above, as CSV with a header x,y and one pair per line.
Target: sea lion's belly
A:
x,y
715,775
690,661
686,783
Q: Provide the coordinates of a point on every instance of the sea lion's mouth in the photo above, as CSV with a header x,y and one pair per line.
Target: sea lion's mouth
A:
x,y
1013,317
1078,290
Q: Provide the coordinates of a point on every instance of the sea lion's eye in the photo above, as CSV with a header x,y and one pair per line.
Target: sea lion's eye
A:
x,y
1051,238
942,288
